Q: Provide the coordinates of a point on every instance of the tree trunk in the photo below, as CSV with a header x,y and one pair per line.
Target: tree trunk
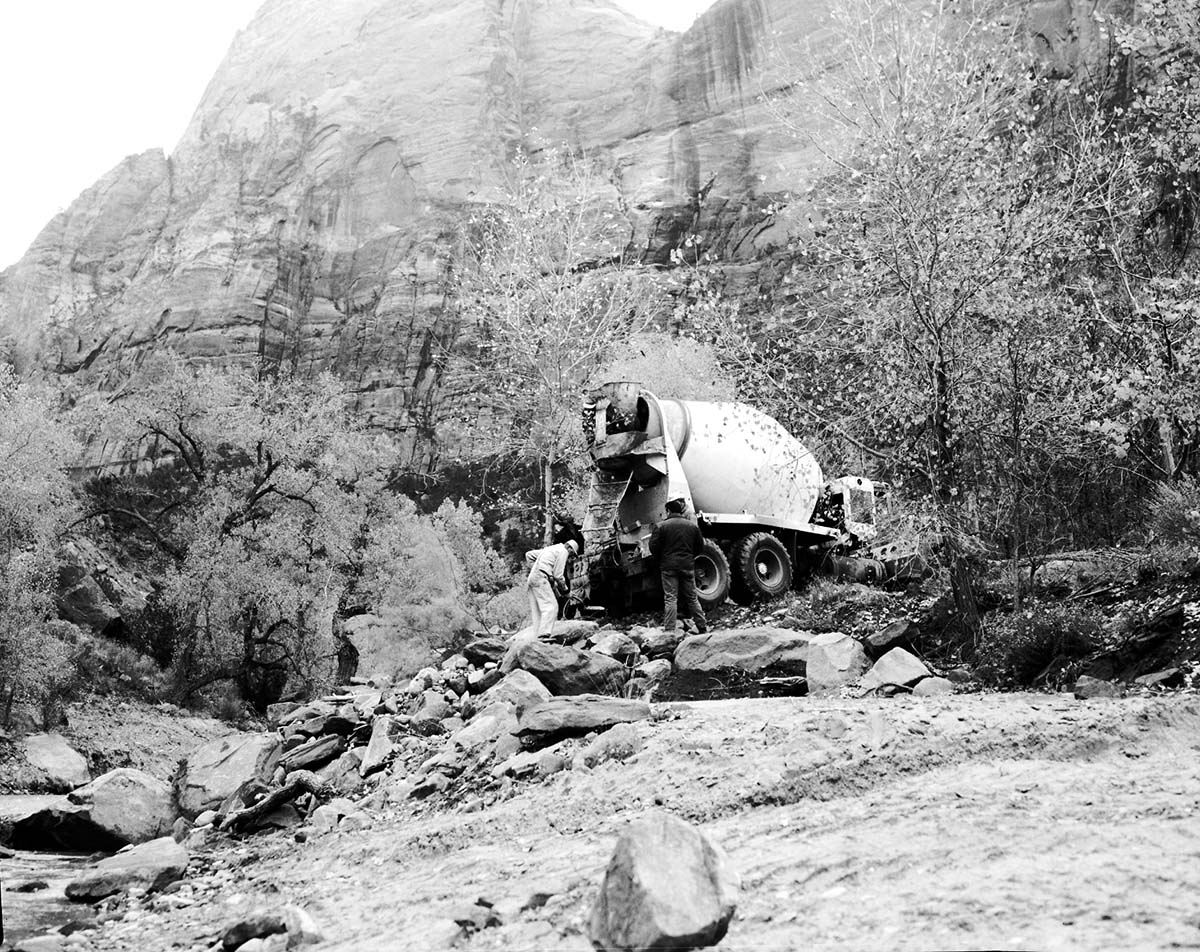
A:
x,y
547,500
1166,445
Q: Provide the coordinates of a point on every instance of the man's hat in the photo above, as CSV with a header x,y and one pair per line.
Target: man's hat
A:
x,y
573,546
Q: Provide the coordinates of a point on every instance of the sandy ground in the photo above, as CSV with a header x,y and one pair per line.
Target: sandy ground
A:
x,y
971,822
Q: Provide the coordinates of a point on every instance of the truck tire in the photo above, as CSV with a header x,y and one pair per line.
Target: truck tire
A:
x,y
712,576
762,568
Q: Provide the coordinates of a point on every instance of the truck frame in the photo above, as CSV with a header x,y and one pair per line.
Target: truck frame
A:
x,y
767,514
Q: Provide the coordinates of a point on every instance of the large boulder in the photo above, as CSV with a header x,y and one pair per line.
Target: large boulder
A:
x,y
219,768
62,765
753,650
897,667
149,866
565,670
834,660
131,805
563,716
668,886
518,688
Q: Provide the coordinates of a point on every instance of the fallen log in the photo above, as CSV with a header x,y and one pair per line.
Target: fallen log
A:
x,y
298,782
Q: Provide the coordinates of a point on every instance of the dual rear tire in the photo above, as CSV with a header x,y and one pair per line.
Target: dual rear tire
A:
x,y
761,569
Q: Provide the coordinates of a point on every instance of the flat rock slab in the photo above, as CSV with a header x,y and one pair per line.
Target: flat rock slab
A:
x,y
577,715
668,886
150,866
218,769
315,752
753,650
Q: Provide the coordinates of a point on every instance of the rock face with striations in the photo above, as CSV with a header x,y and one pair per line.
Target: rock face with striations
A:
x,y
309,214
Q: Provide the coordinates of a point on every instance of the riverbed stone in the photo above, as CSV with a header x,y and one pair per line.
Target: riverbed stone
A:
x,y
63,766
667,886
379,747
1088,687
149,866
782,651
933,687
215,771
616,644
834,660
619,742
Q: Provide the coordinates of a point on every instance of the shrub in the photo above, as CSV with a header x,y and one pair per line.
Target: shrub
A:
x,y
1046,644
1173,517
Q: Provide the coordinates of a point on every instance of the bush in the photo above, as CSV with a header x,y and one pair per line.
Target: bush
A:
x,y
828,605
1173,517
1046,644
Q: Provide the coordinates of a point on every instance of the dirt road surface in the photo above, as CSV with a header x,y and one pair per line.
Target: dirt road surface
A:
x,y
1017,821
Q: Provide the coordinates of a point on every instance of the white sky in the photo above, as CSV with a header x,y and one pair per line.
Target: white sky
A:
x,y
84,83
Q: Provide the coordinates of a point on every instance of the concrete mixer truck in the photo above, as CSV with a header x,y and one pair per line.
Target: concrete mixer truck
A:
x,y
768,515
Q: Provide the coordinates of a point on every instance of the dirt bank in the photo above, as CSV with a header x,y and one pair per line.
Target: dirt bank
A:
x,y
968,822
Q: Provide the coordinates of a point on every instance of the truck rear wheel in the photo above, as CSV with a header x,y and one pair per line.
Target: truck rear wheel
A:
x,y
712,576
762,568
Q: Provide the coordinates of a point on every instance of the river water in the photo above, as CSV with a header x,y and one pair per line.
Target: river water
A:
x,y
41,909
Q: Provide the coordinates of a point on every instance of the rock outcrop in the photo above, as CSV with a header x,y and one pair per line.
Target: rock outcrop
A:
x,y
308,217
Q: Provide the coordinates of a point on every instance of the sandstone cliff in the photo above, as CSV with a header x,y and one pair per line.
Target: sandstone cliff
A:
x,y
308,214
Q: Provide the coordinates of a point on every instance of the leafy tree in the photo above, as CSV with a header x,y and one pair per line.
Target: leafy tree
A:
x,y
269,514
548,290
36,506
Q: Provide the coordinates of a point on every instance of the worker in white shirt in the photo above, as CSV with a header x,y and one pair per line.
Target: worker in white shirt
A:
x,y
547,574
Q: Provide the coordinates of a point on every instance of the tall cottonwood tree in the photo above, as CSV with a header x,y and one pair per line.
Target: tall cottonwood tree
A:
x,y
548,290
36,507
943,317
264,512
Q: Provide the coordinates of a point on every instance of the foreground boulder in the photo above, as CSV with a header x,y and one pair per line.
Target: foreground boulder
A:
x,y
668,886
219,768
63,766
150,866
834,660
898,667
563,716
120,807
753,650
567,671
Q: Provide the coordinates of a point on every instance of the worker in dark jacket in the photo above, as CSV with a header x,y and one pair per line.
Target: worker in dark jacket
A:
x,y
675,543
